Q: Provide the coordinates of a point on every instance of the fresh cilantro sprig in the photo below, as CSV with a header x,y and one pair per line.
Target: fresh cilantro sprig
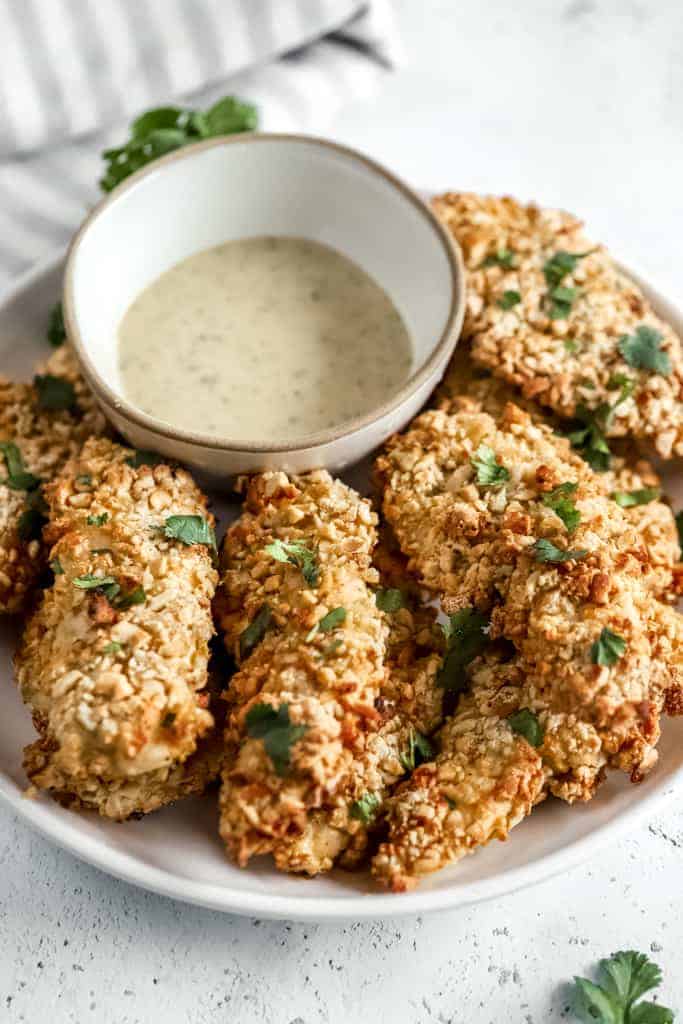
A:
x,y
466,636
643,350
190,530
545,551
525,723
276,730
418,751
365,808
164,129
608,648
54,393
624,977
490,472
298,554
255,631
630,499
560,501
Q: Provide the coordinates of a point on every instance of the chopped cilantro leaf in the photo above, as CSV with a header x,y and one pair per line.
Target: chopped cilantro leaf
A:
x,y
561,299
276,730
571,345
643,350
490,472
111,589
365,808
255,631
296,553
625,977
56,332
629,499
562,263
545,551
525,723
608,648
18,477
168,719
84,480
509,299
502,258
56,567
90,582
190,530
679,527
143,458
328,622
560,501
54,392
99,520
466,638
390,600
113,647
419,750
131,597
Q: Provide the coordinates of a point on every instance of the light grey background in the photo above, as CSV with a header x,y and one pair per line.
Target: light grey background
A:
x,y
572,102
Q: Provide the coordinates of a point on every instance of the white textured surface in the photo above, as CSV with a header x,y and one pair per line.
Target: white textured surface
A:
x,y
571,102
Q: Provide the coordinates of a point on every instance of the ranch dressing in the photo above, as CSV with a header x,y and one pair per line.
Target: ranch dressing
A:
x,y
262,339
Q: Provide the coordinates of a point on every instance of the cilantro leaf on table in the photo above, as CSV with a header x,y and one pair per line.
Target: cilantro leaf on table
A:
x,y
624,977
490,472
560,501
643,350
545,551
466,636
190,530
608,648
276,730
298,554
163,129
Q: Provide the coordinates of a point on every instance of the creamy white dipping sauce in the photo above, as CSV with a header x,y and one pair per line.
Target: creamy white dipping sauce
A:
x,y
262,339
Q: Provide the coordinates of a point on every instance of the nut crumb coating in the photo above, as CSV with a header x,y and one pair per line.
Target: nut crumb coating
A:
x,y
116,683
328,678
564,356
477,546
46,439
467,386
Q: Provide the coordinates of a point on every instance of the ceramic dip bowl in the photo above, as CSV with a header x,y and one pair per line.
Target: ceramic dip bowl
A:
x,y
254,185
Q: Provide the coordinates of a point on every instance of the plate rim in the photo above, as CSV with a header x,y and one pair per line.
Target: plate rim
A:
x,y
362,906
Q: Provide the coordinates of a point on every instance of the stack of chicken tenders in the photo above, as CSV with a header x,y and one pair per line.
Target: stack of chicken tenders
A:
x,y
413,672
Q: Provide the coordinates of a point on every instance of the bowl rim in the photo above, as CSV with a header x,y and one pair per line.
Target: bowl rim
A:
x,y
438,355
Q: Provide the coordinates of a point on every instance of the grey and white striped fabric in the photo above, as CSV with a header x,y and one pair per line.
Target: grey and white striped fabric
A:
x,y
74,72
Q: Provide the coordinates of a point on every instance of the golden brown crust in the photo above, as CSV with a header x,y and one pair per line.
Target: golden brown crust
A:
x,y
45,439
526,347
116,691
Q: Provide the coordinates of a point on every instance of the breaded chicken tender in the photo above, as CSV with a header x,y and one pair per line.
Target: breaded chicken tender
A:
x,y
499,514
113,663
40,428
297,609
551,313
630,480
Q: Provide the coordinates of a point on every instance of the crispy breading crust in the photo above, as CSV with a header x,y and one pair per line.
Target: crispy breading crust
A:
x,y
328,687
524,346
46,439
474,545
467,386
116,693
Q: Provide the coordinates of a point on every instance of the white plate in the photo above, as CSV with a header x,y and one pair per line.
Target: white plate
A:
x,y
177,851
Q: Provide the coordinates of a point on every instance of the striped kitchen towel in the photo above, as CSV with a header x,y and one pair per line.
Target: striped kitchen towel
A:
x,y
74,72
